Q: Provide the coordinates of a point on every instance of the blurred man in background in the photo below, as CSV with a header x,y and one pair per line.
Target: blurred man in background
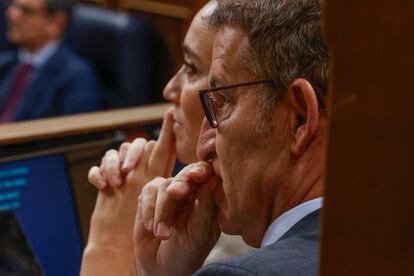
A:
x,y
42,78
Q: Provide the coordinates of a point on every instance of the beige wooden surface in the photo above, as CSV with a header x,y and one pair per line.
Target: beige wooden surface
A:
x,y
34,130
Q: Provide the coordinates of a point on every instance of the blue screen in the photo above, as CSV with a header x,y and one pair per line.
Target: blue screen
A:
x,y
38,190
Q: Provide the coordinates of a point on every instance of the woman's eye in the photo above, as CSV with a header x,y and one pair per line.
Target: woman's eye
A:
x,y
189,68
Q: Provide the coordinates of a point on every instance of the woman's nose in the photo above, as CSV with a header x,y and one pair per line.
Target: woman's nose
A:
x,y
173,89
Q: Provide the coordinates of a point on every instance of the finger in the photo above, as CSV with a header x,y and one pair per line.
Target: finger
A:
x,y
205,210
165,212
136,179
133,154
169,167
148,200
203,225
183,183
123,149
96,178
146,154
145,244
163,157
110,168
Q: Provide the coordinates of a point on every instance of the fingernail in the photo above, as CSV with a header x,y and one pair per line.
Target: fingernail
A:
x,y
125,166
163,230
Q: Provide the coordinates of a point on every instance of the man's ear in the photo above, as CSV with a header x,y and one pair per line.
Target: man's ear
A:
x,y
304,115
60,21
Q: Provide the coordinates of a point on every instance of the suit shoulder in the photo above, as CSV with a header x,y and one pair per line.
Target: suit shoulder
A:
x,y
73,62
7,57
295,255
223,269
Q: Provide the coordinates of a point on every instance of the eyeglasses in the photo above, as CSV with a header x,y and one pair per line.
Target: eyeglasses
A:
x,y
25,9
215,104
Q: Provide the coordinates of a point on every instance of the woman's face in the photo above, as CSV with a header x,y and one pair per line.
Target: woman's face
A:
x,y
183,87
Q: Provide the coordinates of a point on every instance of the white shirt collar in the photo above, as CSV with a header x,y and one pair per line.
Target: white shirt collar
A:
x,y
40,57
283,223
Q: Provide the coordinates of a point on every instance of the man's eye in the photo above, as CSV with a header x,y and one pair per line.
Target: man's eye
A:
x,y
222,107
218,100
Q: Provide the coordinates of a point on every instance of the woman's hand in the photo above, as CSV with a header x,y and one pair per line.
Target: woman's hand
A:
x,y
115,165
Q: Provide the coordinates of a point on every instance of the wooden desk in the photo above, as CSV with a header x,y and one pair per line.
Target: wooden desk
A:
x,y
35,130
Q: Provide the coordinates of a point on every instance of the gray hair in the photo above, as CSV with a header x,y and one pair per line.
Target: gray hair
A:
x,y
285,43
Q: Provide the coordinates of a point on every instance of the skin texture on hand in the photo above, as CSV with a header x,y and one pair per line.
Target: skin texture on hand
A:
x,y
176,213
110,245
115,165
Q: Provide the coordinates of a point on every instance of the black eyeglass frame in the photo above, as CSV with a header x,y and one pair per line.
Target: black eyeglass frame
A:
x,y
209,113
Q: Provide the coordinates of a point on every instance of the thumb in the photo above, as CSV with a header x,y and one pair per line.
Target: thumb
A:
x,y
163,158
204,215
145,244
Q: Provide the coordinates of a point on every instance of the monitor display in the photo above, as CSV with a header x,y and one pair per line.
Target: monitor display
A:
x,y
38,192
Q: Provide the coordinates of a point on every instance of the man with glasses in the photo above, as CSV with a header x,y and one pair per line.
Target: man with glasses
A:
x,y
263,142
42,78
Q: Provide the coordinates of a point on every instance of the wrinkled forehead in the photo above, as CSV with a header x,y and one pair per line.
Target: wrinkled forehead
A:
x,y
229,57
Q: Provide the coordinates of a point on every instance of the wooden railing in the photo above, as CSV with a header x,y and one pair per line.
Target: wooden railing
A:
x,y
35,130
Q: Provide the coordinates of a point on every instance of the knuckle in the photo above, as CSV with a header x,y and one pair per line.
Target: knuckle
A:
x,y
124,146
147,188
148,205
91,174
110,152
112,167
139,141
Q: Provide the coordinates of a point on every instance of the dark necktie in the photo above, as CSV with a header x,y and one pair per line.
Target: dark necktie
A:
x,y
15,94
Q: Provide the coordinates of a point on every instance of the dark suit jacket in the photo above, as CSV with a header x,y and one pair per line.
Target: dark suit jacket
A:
x,y
295,253
64,85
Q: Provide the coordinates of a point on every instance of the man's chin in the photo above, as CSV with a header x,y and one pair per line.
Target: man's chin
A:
x,y
223,219
14,38
226,226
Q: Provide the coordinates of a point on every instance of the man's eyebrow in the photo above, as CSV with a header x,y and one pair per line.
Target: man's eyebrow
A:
x,y
213,82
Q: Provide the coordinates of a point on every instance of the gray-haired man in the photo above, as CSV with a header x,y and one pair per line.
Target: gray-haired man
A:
x,y
264,140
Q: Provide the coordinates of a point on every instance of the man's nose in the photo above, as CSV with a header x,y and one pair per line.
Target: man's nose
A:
x,y
206,141
12,12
